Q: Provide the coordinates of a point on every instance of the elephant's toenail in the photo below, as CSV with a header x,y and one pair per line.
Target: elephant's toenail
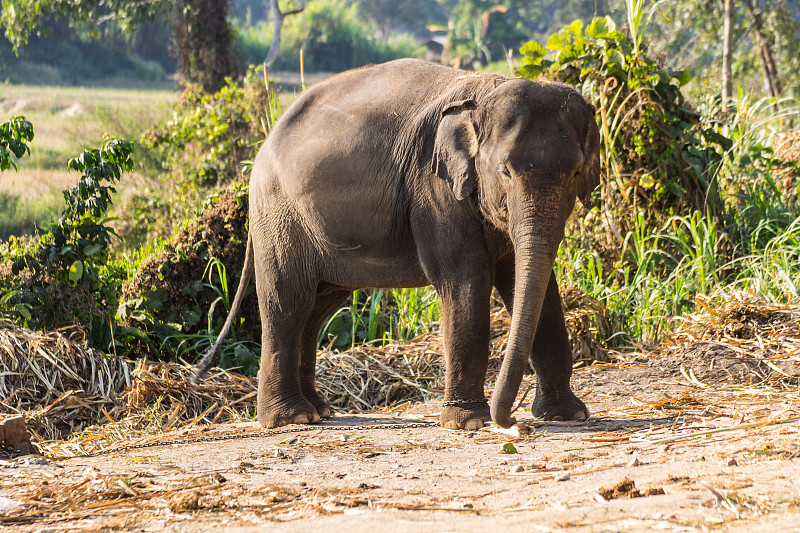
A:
x,y
580,415
306,419
473,424
558,418
451,424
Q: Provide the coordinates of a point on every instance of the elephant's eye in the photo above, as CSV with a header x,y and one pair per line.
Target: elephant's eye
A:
x,y
504,170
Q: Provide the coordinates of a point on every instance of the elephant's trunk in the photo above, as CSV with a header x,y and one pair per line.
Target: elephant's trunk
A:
x,y
536,236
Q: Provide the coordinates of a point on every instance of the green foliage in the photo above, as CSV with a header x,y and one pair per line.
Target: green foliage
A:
x,y
686,198
202,34
14,138
64,278
24,18
210,135
208,143
179,296
380,315
658,155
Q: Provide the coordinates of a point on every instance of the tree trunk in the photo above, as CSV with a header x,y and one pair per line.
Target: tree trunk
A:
x,y
770,72
277,17
727,54
203,43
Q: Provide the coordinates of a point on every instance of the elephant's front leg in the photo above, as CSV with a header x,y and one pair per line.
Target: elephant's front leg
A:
x,y
465,332
551,355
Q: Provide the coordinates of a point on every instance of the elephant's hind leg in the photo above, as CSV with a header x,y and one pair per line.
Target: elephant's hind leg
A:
x,y
326,302
285,308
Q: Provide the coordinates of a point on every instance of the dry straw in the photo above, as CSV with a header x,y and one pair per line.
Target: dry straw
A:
x,y
63,386
753,341
59,384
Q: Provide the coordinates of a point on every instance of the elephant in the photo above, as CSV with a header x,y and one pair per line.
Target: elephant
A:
x,y
407,174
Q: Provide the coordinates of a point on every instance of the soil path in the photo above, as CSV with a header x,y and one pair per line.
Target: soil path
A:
x,y
651,436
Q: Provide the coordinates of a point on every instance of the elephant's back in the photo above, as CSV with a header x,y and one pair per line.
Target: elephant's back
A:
x,y
345,128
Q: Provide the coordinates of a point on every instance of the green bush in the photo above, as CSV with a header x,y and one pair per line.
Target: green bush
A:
x,y
64,278
686,197
209,141
14,138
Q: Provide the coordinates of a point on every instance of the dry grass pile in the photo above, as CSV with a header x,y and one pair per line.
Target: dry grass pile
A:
x,y
60,385
743,340
587,324
222,395
65,387
787,145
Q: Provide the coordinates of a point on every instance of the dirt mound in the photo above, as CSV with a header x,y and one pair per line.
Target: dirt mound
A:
x,y
742,340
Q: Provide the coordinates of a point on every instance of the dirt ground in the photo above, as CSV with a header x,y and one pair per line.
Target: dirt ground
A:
x,y
674,444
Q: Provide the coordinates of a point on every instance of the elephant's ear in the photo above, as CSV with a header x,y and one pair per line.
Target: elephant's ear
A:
x,y
590,174
455,148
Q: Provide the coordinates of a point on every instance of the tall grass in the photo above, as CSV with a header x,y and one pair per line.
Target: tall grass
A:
x,y
380,316
754,245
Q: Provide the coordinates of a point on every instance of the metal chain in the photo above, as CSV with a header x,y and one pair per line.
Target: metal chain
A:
x,y
454,403
256,434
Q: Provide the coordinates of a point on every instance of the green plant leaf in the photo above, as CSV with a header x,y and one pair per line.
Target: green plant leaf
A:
x,y
23,310
601,28
682,76
508,447
533,51
559,40
91,249
76,271
615,57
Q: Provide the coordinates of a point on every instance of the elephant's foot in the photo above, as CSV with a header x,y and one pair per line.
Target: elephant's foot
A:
x,y
559,406
471,416
281,412
322,406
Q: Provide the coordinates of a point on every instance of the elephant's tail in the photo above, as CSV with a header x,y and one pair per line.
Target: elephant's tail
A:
x,y
211,358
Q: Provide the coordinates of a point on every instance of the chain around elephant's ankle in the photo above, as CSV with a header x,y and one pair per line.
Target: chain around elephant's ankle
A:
x,y
466,401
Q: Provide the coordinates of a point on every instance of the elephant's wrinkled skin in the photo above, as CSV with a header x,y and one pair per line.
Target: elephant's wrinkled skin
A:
x,y
407,174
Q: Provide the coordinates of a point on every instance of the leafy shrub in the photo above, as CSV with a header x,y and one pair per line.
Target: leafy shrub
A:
x,y
657,154
180,294
63,278
14,138
206,144
210,135
683,193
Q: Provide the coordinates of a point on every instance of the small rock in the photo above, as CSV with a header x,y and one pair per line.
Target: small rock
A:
x,y
732,462
279,453
184,502
32,460
240,466
516,469
13,434
7,504
473,472
634,462
563,477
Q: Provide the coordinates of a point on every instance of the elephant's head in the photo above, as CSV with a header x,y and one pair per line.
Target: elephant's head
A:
x,y
529,149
